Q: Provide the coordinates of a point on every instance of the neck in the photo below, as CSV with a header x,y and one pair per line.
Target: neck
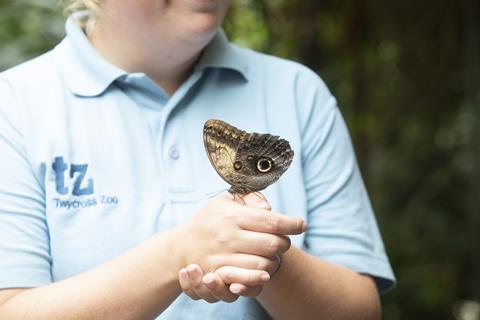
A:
x,y
169,61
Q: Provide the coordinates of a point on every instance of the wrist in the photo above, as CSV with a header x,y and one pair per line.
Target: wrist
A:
x,y
284,262
175,249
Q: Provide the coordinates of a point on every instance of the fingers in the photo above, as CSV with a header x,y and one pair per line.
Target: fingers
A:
x,y
191,283
210,287
214,286
244,282
269,222
186,285
261,244
218,288
256,217
243,290
246,277
248,261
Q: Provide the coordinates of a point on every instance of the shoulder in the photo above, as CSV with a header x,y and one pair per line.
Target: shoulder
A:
x,y
300,91
278,69
33,77
28,88
34,69
288,78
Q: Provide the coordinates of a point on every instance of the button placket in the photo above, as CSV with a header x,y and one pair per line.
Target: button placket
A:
x,y
175,167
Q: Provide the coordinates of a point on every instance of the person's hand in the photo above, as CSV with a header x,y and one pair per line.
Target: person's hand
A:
x,y
226,233
227,283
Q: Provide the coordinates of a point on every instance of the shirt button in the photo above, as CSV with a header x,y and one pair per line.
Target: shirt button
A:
x,y
173,153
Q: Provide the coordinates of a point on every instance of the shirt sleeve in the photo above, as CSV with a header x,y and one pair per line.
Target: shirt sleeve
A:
x,y
24,240
342,226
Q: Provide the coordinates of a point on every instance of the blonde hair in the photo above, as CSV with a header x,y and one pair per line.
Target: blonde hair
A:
x,y
92,7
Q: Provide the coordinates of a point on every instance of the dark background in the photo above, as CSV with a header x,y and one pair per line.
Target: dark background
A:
x,y
406,75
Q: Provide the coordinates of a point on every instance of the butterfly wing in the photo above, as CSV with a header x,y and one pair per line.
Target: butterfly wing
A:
x,y
221,141
258,148
247,161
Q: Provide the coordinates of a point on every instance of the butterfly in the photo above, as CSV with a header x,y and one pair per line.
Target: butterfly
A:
x,y
249,162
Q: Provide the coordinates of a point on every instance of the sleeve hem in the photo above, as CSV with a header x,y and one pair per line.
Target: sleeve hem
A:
x,y
24,278
376,267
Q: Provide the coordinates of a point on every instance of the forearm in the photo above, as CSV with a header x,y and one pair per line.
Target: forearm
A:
x,y
139,284
307,288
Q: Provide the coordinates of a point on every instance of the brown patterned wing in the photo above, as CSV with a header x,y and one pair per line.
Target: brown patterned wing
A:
x,y
221,142
249,162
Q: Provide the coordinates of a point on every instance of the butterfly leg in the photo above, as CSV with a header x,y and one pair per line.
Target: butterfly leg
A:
x,y
240,197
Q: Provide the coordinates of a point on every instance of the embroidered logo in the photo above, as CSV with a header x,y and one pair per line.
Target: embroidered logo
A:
x,y
82,187
77,172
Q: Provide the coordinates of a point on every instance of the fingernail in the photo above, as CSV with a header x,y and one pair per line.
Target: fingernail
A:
x,y
208,278
265,277
234,289
304,226
191,268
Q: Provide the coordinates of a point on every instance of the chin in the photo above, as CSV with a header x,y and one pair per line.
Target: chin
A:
x,y
203,27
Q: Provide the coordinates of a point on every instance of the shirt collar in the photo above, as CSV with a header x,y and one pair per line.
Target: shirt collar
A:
x,y
84,69
87,73
221,54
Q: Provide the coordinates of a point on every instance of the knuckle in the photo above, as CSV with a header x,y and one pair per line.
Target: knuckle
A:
x,y
230,214
274,246
263,264
278,245
273,223
222,236
229,276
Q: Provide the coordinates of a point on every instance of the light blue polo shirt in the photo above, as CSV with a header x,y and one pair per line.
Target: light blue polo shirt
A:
x,y
94,160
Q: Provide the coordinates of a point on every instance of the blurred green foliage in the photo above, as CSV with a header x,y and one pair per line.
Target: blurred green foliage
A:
x,y
27,28
406,75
